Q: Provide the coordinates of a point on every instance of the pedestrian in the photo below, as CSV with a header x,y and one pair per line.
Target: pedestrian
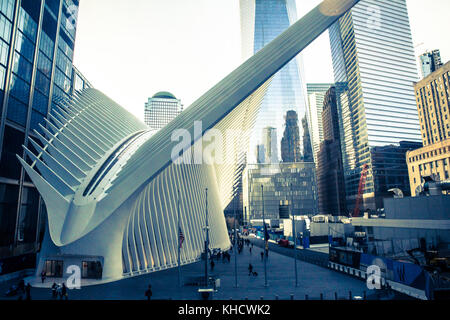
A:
x,y
212,265
28,292
54,290
250,250
64,294
21,286
262,256
43,276
250,269
148,292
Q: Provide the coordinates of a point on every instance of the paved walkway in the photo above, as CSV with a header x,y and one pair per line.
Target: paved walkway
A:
x,y
312,281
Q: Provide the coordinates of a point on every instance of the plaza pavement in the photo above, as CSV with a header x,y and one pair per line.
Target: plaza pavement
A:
x,y
312,281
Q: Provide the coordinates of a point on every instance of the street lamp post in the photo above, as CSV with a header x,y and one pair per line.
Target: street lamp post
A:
x,y
294,235
179,241
235,248
206,241
266,244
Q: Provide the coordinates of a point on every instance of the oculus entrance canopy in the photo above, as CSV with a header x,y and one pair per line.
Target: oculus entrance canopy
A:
x,y
110,184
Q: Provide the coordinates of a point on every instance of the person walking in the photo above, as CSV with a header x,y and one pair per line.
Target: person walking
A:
x,y
28,292
149,293
54,290
212,265
262,255
250,269
64,294
43,276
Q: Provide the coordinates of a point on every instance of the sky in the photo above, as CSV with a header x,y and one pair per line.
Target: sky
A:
x,y
131,49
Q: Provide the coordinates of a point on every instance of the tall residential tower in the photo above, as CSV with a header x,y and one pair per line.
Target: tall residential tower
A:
x,y
160,109
430,62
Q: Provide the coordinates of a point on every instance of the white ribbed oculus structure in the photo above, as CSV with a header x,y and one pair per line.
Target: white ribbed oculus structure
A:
x,y
110,184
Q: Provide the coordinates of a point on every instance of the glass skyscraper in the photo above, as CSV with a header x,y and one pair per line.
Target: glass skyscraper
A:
x,y
37,40
261,22
372,51
430,62
316,94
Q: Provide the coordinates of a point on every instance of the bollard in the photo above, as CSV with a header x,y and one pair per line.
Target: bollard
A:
x,y
350,297
292,297
306,297
335,296
321,296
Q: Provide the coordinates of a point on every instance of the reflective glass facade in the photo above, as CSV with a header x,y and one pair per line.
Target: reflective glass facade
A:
x,y
37,39
316,94
430,62
276,180
262,21
373,53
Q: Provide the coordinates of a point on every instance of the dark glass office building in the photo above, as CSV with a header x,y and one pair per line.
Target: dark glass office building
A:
x,y
375,58
37,40
330,173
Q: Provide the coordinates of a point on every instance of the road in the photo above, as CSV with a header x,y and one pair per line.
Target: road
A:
x,y
318,258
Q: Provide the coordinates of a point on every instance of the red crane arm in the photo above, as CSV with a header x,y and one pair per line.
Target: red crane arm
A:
x,y
362,183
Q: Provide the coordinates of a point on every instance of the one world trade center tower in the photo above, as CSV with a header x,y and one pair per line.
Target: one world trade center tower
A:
x,y
261,22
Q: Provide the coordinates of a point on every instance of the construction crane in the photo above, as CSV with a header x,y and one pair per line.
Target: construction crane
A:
x,y
362,184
